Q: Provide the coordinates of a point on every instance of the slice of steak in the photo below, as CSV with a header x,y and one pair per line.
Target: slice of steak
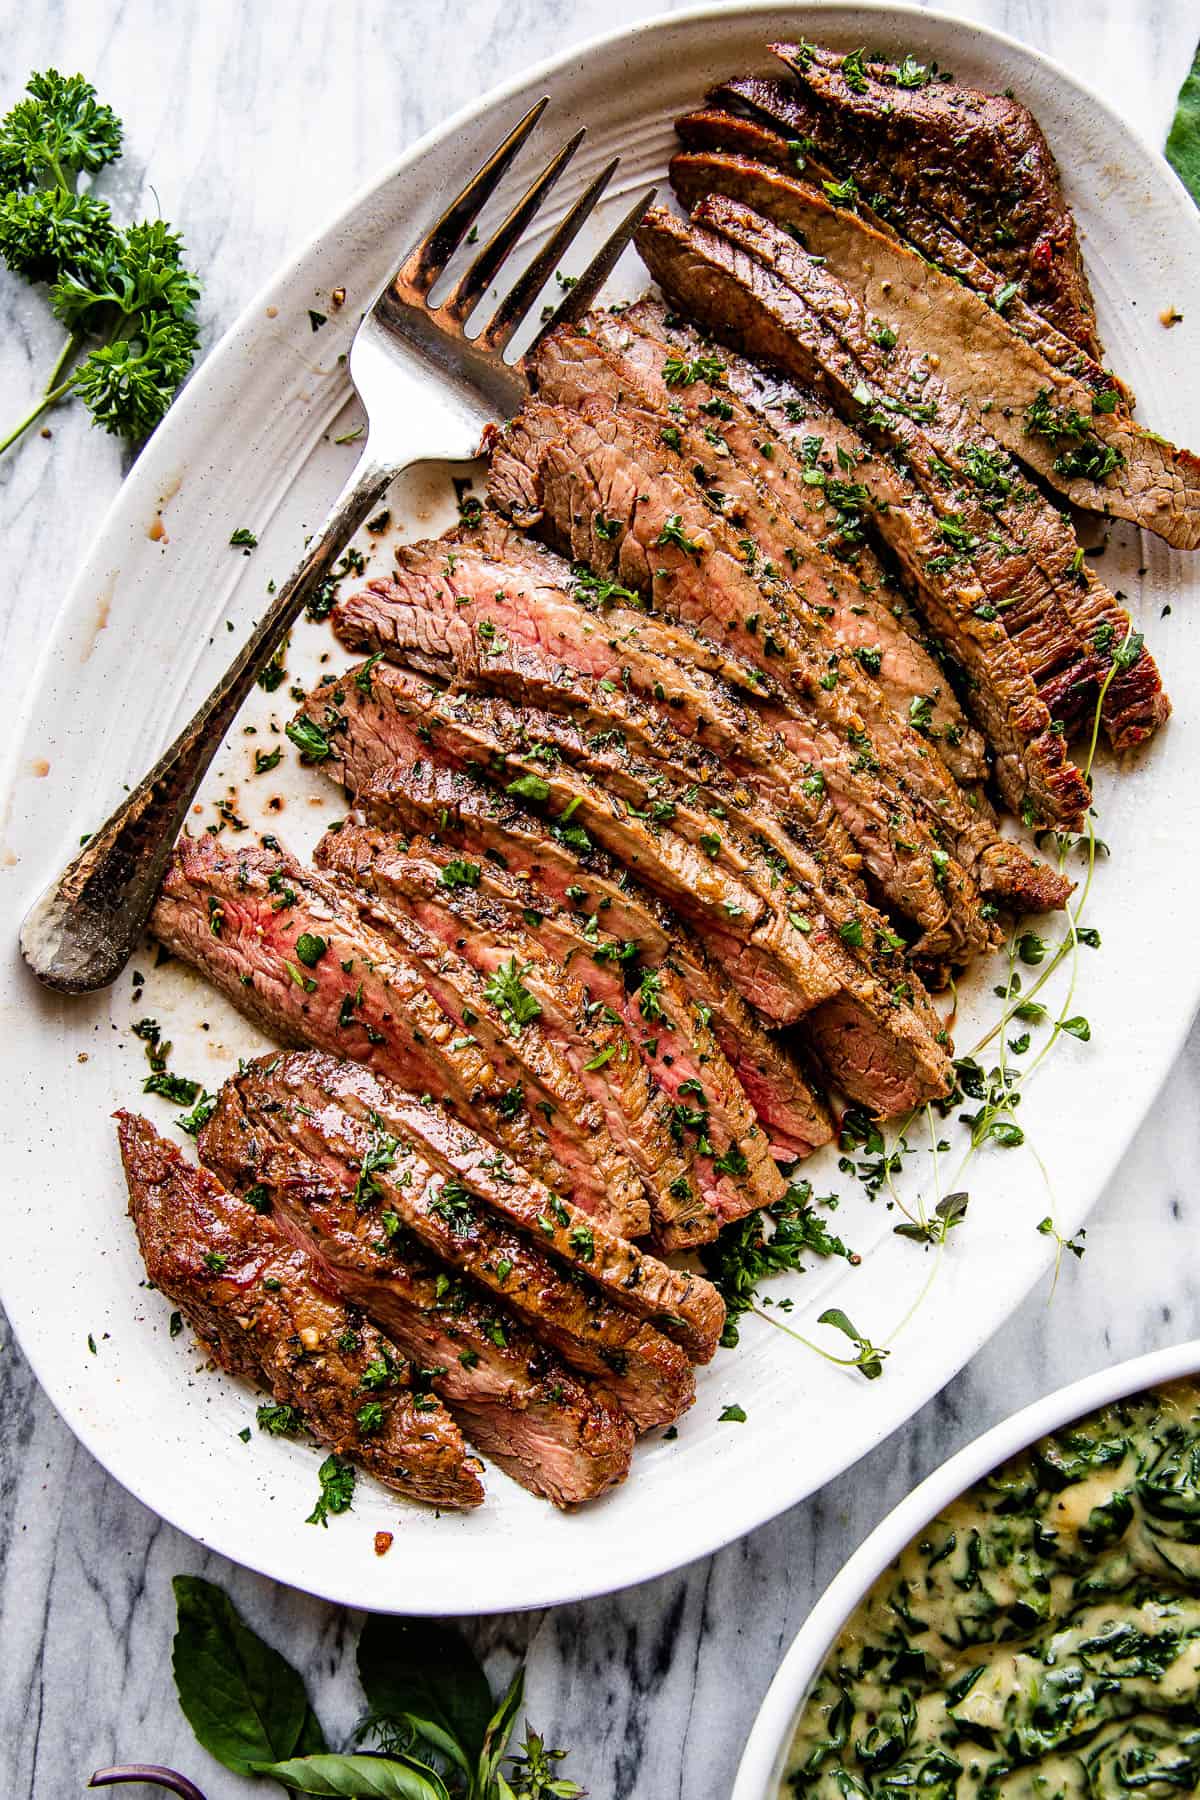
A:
x,y
507,1018
264,1308
248,919
1016,543
976,163
761,489
846,932
618,1088
1101,459
626,924
693,1194
659,534
750,134
515,1400
684,1306
397,1197
735,293
504,594
601,796
778,106
721,128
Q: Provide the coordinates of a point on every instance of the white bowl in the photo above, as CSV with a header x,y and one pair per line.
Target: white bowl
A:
x,y
764,1758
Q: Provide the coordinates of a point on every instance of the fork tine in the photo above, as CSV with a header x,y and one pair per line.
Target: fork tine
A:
x,y
426,261
573,306
478,278
516,304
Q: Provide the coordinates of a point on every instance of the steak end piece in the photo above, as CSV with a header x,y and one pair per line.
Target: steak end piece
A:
x,y
261,1306
514,1398
977,163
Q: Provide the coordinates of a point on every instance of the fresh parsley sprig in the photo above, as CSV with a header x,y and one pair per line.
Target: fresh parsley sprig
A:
x,y
437,1730
124,296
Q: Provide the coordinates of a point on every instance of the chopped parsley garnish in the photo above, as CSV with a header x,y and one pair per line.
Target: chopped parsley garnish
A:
x,y
309,739
379,1156
679,371
746,1253
279,1421
512,999
337,1490
458,874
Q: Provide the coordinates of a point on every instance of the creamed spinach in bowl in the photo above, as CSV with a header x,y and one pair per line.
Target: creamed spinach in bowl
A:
x,y
1039,1640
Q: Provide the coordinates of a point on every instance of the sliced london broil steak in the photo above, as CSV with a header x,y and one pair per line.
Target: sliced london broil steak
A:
x,y
265,1309
1069,424
299,959
400,1198
394,717
682,1305
850,938
856,960
1000,530
491,918
720,129
976,164
920,839
1133,701
464,608
514,1398
623,922
734,292
782,117
760,487
569,470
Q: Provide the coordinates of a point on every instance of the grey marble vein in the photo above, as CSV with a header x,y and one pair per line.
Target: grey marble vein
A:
x,y
655,1688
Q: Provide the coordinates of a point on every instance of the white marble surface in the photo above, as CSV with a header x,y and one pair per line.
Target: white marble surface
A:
x,y
253,121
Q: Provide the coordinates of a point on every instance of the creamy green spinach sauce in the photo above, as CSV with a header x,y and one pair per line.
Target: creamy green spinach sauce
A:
x,y
1040,1640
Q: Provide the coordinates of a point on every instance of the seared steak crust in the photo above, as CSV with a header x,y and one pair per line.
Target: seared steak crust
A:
x,y
402,1201
654,373
723,279
514,1398
684,1306
400,1011
977,164
606,796
265,1309
1000,379
615,913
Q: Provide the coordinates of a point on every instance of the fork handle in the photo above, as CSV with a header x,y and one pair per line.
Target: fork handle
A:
x,y
86,926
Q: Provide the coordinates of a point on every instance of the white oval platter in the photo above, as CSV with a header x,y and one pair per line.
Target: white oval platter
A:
x,y
160,600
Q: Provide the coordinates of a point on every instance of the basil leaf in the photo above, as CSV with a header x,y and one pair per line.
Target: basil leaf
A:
x,y
373,1777
425,1672
499,1731
245,1703
1183,144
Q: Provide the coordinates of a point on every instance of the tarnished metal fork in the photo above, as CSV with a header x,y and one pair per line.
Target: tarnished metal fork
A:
x,y
429,392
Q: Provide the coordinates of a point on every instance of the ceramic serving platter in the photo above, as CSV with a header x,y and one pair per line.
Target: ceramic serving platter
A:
x,y
159,603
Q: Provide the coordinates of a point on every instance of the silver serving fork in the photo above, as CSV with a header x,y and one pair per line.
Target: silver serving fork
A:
x,y
429,393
